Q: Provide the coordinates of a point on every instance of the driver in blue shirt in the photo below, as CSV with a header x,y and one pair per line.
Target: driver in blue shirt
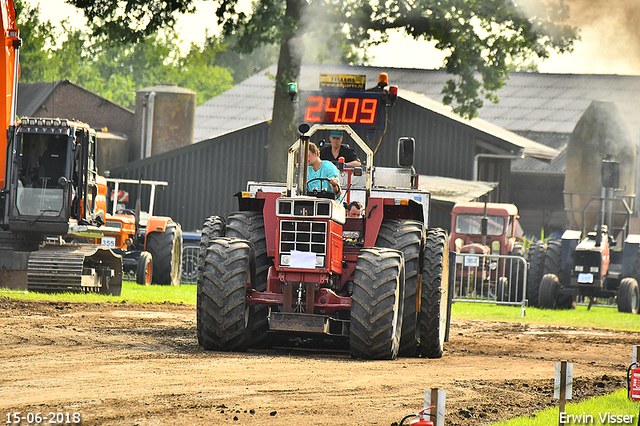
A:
x,y
322,169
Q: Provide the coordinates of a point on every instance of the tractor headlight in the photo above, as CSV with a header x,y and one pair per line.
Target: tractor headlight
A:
x,y
579,268
594,269
285,259
319,261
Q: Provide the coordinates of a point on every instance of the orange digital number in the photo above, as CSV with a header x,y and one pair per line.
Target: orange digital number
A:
x,y
328,109
313,109
350,110
368,107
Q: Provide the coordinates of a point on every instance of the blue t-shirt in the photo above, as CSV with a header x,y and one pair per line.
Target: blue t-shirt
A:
x,y
326,170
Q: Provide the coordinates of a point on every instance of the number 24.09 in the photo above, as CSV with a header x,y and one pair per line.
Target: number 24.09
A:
x,y
341,110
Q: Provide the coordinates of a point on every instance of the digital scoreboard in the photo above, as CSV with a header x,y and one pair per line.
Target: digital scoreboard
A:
x,y
360,110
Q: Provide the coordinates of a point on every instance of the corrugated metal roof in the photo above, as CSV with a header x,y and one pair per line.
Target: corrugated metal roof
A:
x,y
536,94
454,190
559,141
529,147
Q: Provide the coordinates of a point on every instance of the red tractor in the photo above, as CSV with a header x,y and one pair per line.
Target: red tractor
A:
x,y
290,262
488,229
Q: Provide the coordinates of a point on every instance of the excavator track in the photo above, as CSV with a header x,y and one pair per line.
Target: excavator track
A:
x,y
77,268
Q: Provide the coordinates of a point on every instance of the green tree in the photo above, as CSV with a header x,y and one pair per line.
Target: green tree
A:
x,y
243,65
116,70
35,53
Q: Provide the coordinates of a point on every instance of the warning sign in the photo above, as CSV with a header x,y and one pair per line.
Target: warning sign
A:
x,y
122,195
342,82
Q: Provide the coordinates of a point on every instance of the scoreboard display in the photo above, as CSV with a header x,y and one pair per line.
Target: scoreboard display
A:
x,y
360,110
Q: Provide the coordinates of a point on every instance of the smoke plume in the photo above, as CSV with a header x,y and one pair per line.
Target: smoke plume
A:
x,y
609,31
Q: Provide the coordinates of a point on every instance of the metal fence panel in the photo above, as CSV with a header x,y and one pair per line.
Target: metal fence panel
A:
x,y
485,278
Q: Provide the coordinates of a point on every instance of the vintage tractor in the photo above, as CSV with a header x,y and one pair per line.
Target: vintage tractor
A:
x,y
594,264
490,230
154,250
290,262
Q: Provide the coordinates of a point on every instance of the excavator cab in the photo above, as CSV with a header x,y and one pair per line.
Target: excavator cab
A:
x,y
53,178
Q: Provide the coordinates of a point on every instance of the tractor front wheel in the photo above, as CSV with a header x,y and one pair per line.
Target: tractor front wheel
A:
x,y
144,271
628,296
166,250
376,304
548,296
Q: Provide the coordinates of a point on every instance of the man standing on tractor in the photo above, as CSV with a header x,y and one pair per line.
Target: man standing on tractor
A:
x,y
336,150
323,173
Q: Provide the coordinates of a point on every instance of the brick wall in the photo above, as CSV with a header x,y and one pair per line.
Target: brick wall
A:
x,y
74,102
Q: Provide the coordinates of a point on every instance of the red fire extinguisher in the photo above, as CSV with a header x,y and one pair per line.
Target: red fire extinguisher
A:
x,y
633,381
422,418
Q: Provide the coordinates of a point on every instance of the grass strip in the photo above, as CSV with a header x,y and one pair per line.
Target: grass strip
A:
x,y
602,410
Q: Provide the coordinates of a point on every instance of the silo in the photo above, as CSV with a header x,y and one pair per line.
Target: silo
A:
x,y
164,120
112,151
601,134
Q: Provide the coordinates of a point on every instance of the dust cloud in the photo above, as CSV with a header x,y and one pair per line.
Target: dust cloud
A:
x,y
609,29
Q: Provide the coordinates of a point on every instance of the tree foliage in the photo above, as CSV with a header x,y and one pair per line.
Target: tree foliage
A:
x,y
116,70
483,39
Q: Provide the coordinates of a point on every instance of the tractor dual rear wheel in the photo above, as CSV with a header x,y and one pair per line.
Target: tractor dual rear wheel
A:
x,y
537,254
213,227
224,319
553,265
406,236
166,250
377,304
249,226
434,297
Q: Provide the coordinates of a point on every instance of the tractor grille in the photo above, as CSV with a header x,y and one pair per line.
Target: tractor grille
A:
x,y
303,236
588,262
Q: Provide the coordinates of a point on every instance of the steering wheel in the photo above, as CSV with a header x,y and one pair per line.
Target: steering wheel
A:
x,y
323,193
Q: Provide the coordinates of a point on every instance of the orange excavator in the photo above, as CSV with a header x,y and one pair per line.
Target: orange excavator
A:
x,y
49,188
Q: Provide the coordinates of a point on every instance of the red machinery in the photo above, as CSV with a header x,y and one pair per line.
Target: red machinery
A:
x,y
489,229
292,263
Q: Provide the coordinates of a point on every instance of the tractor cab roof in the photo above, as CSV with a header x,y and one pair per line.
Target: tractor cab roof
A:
x,y
499,209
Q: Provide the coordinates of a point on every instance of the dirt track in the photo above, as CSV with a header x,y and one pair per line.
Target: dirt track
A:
x,y
121,364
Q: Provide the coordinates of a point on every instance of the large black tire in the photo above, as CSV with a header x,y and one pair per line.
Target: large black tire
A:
x,y
376,304
213,227
144,269
250,226
537,254
629,296
166,250
406,236
223,315
547,297
553,265
434,300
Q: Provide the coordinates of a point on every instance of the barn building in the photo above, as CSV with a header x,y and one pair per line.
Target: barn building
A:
x,y
518,144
